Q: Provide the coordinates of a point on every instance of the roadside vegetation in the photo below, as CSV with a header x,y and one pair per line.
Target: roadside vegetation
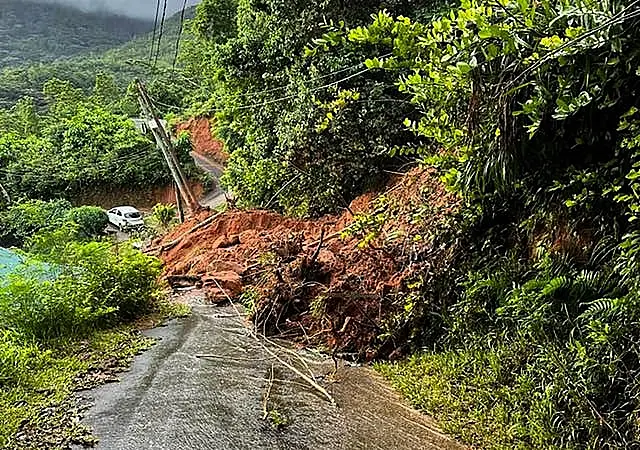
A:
x,y
80,141
523,306
64,315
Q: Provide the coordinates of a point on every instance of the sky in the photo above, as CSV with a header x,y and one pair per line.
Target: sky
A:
x,y
144,9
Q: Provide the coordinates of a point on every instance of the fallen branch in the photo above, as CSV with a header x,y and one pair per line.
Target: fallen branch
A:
x,y
317,252
326,239
309,379
170,245
231,358
265,401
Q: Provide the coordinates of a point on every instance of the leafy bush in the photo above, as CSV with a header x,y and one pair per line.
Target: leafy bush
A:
x,y
96,285
331,136
21,221
24,219
164,215
91,220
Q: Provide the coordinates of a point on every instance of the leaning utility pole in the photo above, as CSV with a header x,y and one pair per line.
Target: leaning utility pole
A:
x,y
166,147
179,203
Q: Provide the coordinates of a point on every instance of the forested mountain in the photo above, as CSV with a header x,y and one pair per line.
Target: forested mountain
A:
x,y
124,62
35,32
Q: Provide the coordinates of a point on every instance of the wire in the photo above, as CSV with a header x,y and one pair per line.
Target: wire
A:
x,y
175,57
164,15
103,164
288,97
614,20
155,28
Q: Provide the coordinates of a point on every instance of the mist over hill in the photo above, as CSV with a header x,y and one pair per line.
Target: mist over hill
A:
x,y
124,59
144,9
37,32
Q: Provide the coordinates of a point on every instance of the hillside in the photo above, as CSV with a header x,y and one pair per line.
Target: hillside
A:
x,y
125,58
35,32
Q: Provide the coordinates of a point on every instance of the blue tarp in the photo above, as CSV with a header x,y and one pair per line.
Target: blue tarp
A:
x,y
11,262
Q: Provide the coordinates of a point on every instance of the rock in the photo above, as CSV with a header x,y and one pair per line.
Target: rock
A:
x,y
225,266
226,241
231,282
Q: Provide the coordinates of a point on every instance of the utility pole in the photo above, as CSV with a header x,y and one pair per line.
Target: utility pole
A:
x,y
166,147
179,203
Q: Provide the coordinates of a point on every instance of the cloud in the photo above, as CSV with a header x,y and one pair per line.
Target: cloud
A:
x,y
144,9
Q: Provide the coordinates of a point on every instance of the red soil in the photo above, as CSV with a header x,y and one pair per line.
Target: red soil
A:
x,y
142,198
338,294
202,140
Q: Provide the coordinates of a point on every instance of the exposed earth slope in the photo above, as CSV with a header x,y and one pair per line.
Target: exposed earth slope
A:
x,y
326,281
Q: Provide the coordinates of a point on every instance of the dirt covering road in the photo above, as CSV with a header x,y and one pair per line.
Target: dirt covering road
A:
x,y
311,282
172,399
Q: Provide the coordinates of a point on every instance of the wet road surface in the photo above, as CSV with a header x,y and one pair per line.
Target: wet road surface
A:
x,y
171,399
216,197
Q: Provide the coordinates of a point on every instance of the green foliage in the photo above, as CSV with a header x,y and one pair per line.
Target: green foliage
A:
x,y
540,329
23,220
17,361
124,60
38,32
307,131
481,396
95,286
80,142
164,215
91,220
37,378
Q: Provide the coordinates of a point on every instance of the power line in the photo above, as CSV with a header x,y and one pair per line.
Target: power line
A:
x,y
102,164
291,96
164,15
175,57
155,28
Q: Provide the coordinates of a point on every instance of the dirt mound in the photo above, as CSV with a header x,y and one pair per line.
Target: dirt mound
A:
x,y
202,140
335,281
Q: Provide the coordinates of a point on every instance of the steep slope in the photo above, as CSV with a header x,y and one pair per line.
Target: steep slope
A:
x,y
35,32
125,61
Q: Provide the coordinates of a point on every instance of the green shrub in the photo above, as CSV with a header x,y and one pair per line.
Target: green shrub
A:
x,y
24,219
164,215
91,220
96,285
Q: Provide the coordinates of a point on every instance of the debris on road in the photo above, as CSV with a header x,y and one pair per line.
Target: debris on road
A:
x,y
309,279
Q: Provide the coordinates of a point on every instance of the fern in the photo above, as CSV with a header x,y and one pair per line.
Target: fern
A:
x,y
604,308
555,285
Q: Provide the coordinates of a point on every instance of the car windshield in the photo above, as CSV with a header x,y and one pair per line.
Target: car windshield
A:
x,y
132,215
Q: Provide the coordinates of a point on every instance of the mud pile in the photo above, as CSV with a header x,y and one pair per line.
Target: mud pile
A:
x,y
337,281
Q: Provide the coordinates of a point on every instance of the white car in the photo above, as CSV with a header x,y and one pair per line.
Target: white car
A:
x,y
126,217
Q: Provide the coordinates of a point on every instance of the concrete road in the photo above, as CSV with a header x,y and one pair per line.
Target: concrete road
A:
x,y
216,197
173,399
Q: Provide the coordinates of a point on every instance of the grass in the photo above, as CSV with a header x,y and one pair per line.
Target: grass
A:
x,y
476,397
38,407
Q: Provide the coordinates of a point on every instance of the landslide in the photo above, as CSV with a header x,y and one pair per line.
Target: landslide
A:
x,y
203,141
344,281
